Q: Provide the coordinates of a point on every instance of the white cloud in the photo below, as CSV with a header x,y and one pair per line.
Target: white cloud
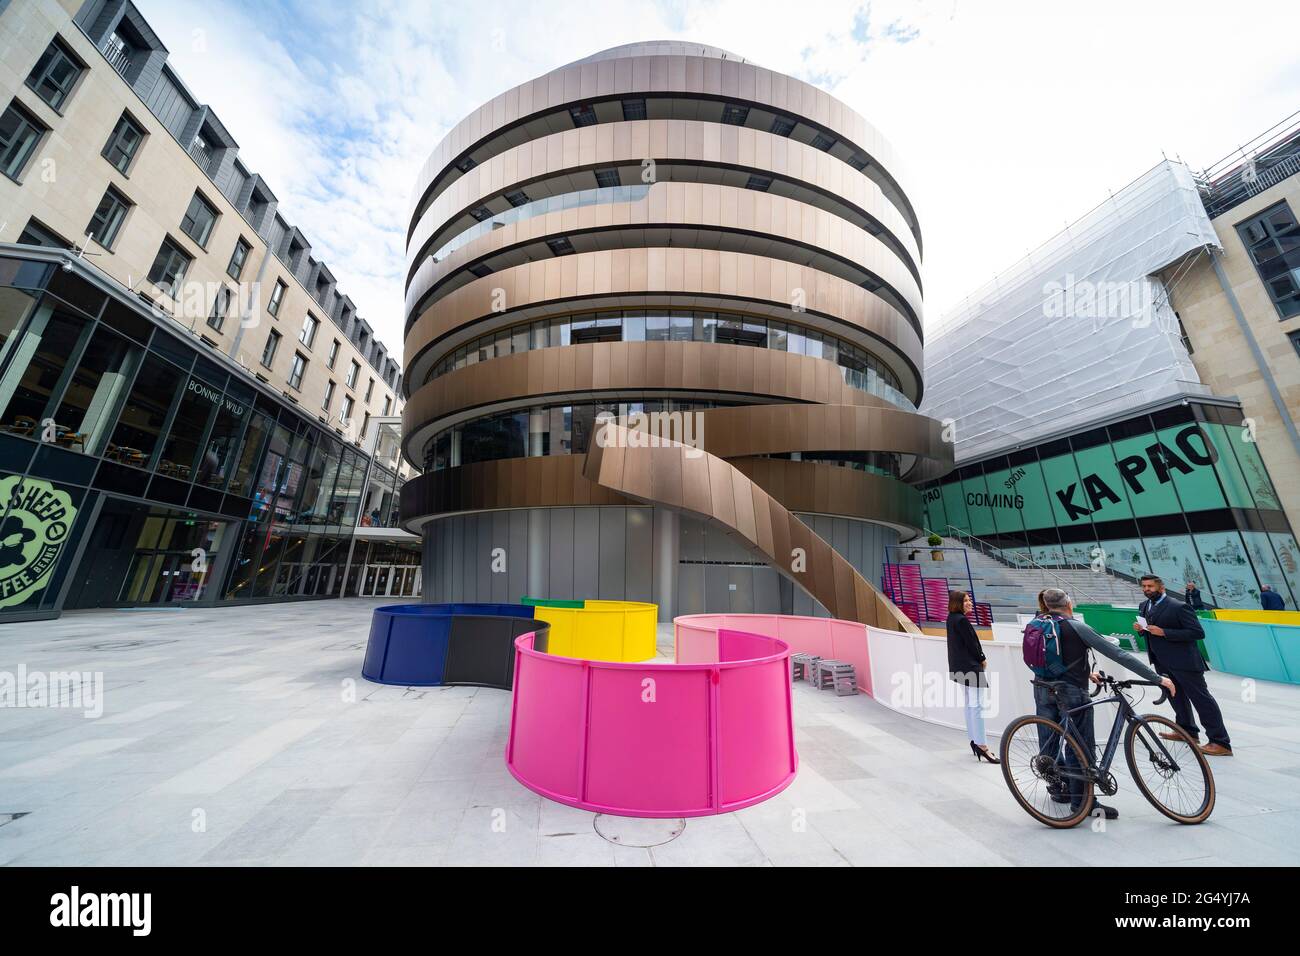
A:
x,y
1014,117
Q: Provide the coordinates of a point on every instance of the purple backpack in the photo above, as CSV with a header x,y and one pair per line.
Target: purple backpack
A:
x,y
1041,646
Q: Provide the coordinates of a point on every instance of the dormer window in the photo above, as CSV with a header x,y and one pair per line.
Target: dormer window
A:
x,y
118,52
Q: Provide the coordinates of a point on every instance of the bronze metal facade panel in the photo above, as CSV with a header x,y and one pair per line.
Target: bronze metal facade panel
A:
x,y
541,97
722,369
762,518
772,283
743,494
666,478
696,489
721,497
853,494
510,483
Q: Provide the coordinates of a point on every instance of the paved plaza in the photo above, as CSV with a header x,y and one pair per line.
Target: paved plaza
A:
x,y
238,736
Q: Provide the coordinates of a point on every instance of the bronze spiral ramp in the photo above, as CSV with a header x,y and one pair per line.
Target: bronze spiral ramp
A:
x,y
692,481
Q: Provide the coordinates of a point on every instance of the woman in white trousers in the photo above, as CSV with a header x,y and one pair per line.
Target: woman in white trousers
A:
x,y
966,666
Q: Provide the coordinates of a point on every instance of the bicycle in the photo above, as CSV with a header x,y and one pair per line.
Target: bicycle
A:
x,y
1053,777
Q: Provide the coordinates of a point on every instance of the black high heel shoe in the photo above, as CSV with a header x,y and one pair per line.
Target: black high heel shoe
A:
x,y
983,752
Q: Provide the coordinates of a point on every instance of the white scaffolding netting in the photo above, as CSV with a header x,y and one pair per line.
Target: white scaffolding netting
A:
x,y
1079,330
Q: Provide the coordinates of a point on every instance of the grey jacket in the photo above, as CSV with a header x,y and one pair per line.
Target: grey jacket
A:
x,y
1105,648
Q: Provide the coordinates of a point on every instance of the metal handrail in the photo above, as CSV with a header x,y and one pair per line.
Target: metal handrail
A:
x,y
989,550
118,58
201,156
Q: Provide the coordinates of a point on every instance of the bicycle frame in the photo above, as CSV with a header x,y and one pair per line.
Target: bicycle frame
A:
x,y
1124,716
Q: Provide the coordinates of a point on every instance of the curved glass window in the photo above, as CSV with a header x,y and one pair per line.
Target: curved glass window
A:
x,y
546,430
859,368
538,207
884,463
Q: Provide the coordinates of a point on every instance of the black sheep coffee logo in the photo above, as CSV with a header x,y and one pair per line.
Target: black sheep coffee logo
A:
x,y
33,532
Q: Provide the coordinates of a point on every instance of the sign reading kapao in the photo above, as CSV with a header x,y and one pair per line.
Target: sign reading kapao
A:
x,y
1072,488
1159,458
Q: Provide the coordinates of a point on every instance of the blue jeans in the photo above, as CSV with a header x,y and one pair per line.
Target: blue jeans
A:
x,y
1046,706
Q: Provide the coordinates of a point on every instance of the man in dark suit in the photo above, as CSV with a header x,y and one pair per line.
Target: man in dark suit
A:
x,y
1270,600
1172,632
1193,598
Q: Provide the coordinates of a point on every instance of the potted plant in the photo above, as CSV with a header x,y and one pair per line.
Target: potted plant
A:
x,y
934,541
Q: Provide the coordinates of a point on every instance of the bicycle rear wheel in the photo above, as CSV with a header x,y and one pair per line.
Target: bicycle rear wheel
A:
x,y
1032,752
1172,774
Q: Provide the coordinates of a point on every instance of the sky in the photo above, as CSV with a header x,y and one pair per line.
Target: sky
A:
x,y
1014,118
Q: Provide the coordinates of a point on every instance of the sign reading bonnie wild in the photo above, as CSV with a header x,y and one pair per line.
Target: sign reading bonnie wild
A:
x,y
33,531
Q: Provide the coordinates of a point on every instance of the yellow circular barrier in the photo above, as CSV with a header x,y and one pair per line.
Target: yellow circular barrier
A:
x,y
601,630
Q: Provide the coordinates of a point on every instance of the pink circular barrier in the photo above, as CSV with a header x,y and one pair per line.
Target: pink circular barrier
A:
x,y
826,637
709,734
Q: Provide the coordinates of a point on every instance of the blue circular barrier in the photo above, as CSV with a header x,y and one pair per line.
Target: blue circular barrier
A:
x,y
428,645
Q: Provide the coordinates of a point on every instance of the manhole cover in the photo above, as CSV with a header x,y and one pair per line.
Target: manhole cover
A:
x,y
638,831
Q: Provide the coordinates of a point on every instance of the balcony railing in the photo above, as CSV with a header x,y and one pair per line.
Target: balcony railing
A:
x,y
201,156
119,58
1264,162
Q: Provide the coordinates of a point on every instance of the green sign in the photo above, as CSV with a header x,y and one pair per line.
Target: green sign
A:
x,y
33,532
1104,480
1166,472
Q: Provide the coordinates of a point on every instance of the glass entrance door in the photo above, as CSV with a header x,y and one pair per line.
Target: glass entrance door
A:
x,y
162,577
140,555
407,576
390,580
375,580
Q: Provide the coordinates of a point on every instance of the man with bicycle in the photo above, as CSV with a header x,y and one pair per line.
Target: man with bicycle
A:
x,y
1076,640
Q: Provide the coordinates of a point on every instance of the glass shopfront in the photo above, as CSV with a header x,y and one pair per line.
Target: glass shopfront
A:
x,y
1181,493
380,504
137,470
384,569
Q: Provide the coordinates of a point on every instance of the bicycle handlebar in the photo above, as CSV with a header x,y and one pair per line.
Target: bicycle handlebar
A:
x,y
1125,684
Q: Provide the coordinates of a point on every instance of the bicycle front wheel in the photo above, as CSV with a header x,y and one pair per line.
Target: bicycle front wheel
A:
x,y
1043,766
1172,774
